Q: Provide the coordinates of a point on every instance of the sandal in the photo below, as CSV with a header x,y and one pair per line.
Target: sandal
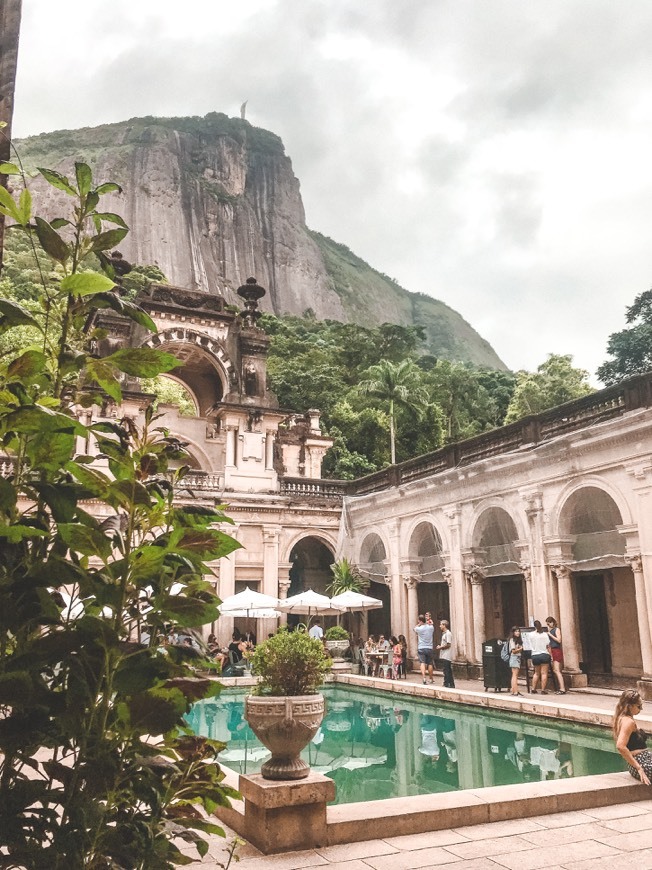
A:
x,y
534,692
544,692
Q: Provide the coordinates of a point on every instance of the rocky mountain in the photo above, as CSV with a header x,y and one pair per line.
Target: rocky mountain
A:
x,y
214,200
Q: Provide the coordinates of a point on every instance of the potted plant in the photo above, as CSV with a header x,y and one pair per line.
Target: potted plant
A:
x,y
285,709
336,640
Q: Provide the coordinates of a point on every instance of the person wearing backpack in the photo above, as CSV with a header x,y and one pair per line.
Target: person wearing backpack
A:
x,y
511,653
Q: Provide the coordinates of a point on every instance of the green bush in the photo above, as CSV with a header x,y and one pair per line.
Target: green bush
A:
x,y
289,663
336,632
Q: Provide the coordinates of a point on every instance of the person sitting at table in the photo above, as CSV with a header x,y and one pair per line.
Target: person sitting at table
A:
x,y
369,651
383,644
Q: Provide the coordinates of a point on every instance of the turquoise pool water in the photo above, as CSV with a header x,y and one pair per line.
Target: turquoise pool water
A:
x,y
380,747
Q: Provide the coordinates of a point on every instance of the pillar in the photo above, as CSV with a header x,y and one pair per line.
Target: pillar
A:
x,y
641,476
411,584
477,578
283,586
645,683
230,446
457,584
393,577
270,435
568,624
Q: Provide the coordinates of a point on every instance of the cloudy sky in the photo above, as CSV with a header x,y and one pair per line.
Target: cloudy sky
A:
x,y
495,154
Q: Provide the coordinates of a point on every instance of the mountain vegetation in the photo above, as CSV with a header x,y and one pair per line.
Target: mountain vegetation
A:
x,y
631,348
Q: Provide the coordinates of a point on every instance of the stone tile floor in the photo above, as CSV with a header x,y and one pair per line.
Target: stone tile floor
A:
x,y
605,837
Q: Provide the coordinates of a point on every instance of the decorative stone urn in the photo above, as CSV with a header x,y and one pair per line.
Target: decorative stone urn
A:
x,y
285,725
337,648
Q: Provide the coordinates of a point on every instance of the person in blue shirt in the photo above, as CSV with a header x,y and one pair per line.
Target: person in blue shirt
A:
x,y
425,641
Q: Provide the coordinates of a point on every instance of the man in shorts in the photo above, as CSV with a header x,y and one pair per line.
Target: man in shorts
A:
x,y
426,637
445,650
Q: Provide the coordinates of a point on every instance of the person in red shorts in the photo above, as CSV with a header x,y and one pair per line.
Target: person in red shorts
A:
x,y
554,635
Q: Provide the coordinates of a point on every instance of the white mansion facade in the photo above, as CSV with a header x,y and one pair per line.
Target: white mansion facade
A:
x,y
551,515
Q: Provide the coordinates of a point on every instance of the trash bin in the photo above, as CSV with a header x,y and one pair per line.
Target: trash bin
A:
x,y
497,673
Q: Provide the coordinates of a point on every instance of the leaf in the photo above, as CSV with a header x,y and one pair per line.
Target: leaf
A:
x,y
31,363
57,223
12,314
84,177
81,539
108,187
130,492
138,315
50,450
57,180
156,711
8,206
189,612
15,688
85,284
8,495
104,374
143,362
111,218
9,169
36,418
18,532
108,239
51,242
25,207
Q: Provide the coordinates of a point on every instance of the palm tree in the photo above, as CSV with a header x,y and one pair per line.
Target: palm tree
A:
x,y
346,578
399,384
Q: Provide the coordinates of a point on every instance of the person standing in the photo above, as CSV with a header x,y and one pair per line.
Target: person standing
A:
x,y
540,657
426,638
515,649
554,637
317,631
446,654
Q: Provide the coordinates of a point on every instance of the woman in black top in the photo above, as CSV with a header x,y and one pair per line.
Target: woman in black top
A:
x,y
631,742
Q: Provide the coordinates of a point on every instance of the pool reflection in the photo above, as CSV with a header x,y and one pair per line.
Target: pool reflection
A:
x,y
410,747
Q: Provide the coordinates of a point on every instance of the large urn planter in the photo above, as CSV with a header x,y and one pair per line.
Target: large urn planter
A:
x,y
337,648
285,725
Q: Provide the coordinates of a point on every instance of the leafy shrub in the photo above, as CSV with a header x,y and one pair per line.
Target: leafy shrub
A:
x,y
289,663
336,632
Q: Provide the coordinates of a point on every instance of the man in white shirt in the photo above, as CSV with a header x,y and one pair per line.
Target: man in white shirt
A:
x,y
317,631
445,649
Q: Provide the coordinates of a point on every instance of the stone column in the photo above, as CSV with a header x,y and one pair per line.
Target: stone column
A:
x,y
283,586
540,590
411,584
393,578
641,477
476,578
270,435
645,683
569,628
226,588
457,585
239,444
231,433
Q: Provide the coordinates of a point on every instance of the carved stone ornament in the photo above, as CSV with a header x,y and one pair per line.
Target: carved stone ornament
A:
x,y
447,574
476,575
411,582
561,572
635,563
526,570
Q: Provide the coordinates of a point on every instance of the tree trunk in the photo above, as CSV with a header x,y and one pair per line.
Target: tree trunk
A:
x,y
10,12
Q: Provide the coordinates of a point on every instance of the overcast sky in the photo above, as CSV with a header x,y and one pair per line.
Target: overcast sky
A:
x,y
494,154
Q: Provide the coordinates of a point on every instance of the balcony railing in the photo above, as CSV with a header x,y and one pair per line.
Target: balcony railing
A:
x,y
525,434
304,488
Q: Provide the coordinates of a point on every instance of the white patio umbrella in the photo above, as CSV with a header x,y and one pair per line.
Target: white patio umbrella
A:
x,y
255,613
248,600
353,602
310,603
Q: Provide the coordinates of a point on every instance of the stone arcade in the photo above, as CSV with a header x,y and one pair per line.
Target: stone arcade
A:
x,y
551,515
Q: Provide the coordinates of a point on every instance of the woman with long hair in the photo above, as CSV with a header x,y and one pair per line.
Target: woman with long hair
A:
x,y
404,654
540,657
554,636
515,648
631,741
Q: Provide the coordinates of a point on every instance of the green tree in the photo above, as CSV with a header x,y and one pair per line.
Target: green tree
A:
x,y
398,385
555,381
630,348
346,578
97,768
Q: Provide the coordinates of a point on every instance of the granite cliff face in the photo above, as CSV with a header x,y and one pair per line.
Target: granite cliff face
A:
x,y
214,200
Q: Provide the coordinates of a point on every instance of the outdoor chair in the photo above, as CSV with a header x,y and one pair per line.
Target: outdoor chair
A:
x,y
234,668
363,665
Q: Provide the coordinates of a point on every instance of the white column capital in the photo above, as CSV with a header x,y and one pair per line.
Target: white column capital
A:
x,y
561,572
635,562
526,568
476,574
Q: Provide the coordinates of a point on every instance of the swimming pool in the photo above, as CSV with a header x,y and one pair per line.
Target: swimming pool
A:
x,y
391,746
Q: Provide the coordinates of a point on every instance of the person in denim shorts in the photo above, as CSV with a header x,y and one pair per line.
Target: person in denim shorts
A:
x,y
425,652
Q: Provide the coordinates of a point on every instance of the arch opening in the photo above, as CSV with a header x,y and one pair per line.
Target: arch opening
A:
x,y
505,592
373,566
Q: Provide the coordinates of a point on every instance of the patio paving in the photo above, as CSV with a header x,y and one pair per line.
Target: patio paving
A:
x,y
612,837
